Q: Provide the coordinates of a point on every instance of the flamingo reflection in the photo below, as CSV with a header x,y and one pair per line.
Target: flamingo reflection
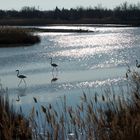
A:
x,y
18,98
54,77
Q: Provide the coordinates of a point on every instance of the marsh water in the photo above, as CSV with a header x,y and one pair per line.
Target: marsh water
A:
x,y
87,62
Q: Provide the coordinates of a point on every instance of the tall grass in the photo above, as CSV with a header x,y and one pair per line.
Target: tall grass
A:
x,y
104,117
12,35
110,116
13,125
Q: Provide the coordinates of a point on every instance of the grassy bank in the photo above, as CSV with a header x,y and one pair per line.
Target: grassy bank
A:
x,y
99,117
10,36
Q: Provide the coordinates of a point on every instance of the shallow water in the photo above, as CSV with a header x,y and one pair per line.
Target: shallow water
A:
x,y
86,62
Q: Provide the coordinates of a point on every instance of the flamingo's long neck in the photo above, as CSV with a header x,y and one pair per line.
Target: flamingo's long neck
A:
x,y
17,73
18,98
51,60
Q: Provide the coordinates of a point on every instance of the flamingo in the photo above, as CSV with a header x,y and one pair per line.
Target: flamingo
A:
x,y
22,77
53,64
128,72
137,65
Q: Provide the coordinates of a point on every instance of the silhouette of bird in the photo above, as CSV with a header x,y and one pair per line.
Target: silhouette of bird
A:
x,y
22,77
128,71
137,65
126,75
53,64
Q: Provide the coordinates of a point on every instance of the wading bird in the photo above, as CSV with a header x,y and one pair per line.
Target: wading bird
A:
x,y
128,71
22,77
137,65
53,64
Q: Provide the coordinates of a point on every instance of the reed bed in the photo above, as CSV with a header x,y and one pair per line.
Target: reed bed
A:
x,y
108,116
13,125
17,36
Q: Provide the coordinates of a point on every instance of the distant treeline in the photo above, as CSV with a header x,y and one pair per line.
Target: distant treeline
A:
x,y
122,14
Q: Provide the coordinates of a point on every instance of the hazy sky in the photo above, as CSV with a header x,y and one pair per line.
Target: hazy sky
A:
x,y
51,4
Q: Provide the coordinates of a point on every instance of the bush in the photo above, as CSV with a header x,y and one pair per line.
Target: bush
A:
x,y
10,35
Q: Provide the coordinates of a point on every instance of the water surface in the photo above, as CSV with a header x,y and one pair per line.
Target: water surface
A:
x,y
86,62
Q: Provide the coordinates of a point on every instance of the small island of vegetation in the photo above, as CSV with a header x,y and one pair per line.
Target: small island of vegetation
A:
x,y
12,36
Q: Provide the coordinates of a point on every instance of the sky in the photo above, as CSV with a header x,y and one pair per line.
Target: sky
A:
x,y
51,4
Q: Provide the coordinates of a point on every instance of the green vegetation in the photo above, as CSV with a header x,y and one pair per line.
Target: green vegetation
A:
x,y
10,36
123,14
108,116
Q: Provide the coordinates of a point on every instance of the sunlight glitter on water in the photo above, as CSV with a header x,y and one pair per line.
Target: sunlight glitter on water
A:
x,y
81,52
92,39
84,60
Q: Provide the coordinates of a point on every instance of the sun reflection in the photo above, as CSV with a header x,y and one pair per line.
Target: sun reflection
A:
x,y
85,60
87,51
92,40
90,44
94,84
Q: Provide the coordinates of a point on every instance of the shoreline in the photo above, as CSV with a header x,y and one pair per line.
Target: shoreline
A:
x,y
93,25
73,24
36,29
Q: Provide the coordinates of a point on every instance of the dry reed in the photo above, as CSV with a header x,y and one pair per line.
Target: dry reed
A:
x,y
107,117
16,36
